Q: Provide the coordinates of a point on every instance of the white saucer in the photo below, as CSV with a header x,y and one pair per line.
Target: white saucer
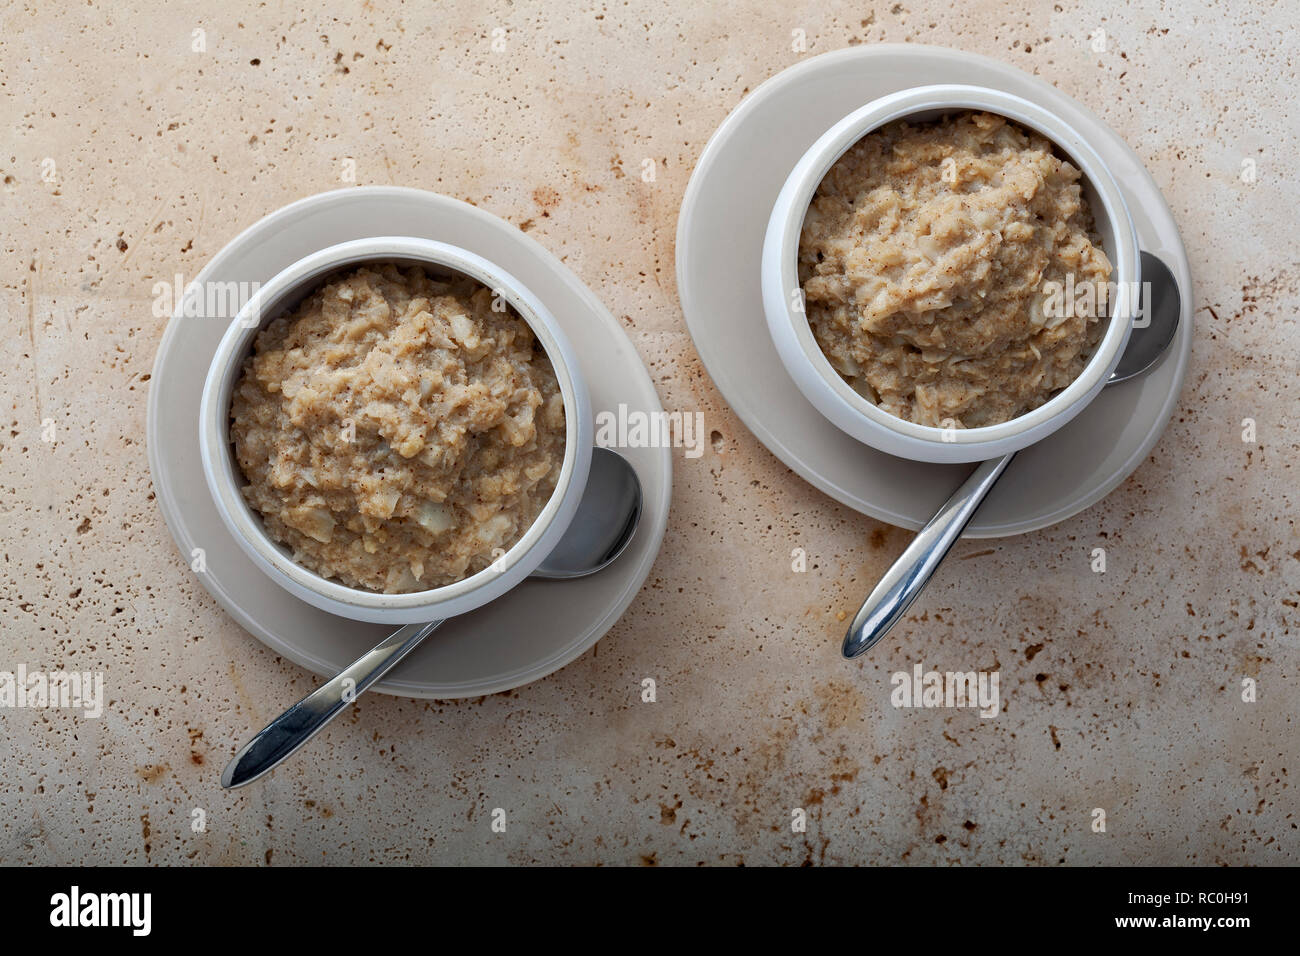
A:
x,y
533,630
719,245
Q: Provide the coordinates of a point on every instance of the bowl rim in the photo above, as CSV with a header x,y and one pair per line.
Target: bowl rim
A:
x,y
781,260
295,283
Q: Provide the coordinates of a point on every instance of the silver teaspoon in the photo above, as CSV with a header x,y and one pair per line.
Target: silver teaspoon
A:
x,y
909,575
604,525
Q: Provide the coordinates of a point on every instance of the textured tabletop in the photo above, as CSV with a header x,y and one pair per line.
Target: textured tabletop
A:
x,y
138,140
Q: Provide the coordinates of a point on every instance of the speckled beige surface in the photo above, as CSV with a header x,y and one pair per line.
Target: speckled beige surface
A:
x,y
1120,691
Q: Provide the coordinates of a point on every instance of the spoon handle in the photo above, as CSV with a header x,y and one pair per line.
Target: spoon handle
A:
x,y
909,575
297,725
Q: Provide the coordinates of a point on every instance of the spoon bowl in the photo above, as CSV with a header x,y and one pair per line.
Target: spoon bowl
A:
x,y
1154,326
604,524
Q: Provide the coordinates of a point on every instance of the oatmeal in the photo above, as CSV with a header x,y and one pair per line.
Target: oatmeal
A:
x,y
396,429
929,260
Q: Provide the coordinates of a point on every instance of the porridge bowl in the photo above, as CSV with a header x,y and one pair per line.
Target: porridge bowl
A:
x,y
395,430
950,274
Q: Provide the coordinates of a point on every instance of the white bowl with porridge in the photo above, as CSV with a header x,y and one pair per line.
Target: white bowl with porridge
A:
x,y
395,430
949,274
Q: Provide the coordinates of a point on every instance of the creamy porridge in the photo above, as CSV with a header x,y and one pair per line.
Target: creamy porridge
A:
x,y
928,260
396,431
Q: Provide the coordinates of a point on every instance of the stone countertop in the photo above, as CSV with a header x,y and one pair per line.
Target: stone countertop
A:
x,y
131,155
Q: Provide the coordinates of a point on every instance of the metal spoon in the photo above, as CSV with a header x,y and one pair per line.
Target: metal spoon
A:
x,y
909,575
604,525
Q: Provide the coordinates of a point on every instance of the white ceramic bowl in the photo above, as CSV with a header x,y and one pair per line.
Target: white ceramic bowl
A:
x,y
812,371
284,292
